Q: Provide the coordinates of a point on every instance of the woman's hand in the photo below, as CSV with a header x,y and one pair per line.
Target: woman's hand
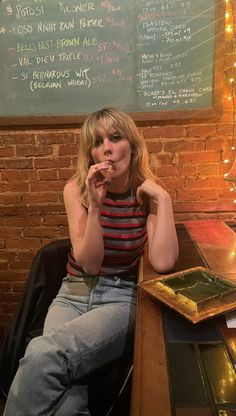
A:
x,y
96,183
152,190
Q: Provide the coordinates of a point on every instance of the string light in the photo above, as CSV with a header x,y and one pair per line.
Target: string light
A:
x,y
230,74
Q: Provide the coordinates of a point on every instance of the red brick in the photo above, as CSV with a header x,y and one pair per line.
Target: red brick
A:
x,y
18,187
9,198
12,275
207,169
3,265
68,149
197,195
66,174
202,131
10,232
15,138
188,170
10,175
22,221
160,159
7,151
205,183
163,131
9,305
26,243
174,183
52,220
154,146
199,157
3,187
32,150
39,232
16,163
167,171
23,175
56,137
46,186
214,144
225,129
20,265
48,174
40,198
52,163
8,255
179,146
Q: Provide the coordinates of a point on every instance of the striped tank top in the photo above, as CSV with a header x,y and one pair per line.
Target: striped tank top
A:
x,y
124,233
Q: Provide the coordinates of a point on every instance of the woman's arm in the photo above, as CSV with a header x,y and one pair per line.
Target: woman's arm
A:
x,y
85,228
85,231
162,239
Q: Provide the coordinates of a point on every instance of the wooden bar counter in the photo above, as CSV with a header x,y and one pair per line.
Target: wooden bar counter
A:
x,y
210,244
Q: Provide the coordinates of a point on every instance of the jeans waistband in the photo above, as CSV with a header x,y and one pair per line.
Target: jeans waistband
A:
x,y
129,278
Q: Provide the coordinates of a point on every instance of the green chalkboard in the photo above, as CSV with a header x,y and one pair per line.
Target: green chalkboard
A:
x,y
151,58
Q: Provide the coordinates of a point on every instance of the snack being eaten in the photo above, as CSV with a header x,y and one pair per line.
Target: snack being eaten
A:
x,y
107,174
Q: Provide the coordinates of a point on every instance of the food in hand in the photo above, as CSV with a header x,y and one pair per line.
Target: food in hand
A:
x,y
107,174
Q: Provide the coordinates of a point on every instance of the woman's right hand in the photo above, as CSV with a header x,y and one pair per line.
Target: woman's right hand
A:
x,y
96,183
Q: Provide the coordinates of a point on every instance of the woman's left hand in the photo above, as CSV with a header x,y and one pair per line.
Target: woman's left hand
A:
x,y
151,190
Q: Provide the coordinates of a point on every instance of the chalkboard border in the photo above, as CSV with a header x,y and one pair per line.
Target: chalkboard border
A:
x,y
202,113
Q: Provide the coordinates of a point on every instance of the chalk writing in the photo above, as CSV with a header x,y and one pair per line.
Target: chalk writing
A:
x,y
174,64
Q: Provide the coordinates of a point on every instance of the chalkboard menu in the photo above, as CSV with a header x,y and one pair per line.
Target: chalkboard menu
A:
x,y
152,58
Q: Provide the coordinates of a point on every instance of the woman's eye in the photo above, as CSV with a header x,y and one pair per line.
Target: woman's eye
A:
x,y
115,137
98,141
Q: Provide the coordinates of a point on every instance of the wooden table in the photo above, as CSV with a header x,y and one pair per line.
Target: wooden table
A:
x,y
202,243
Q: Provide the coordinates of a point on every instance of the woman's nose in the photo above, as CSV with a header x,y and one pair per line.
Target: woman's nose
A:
x,y
107,146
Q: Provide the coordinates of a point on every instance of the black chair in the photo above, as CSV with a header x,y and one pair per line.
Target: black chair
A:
x,y
107,394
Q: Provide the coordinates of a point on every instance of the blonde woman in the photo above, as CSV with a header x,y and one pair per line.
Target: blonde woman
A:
x,y
114,206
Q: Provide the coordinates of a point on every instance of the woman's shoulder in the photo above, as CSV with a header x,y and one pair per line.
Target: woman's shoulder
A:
x,y
71,189
71,185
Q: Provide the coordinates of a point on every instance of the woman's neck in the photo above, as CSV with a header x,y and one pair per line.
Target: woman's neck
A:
x,y
119,186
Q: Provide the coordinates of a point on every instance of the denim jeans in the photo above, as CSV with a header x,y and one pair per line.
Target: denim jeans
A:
x,y
89,324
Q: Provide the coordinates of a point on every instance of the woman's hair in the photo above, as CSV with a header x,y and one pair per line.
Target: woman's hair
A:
x,y
125,126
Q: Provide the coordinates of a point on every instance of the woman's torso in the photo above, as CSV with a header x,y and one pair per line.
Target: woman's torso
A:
x,y
124,226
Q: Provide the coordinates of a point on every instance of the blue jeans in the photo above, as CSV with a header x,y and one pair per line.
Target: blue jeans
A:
x,y
89,324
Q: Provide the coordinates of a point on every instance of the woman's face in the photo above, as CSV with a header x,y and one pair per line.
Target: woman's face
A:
x,y
110,146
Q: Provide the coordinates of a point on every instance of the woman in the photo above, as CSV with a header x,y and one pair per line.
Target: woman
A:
x,y
114,205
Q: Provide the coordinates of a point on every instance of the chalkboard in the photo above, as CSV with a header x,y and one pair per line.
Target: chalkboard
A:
x,y
152,58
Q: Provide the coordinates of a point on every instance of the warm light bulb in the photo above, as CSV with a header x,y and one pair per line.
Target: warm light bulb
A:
x,y
226,161
227,15
230,98
233,148
231,80
229,29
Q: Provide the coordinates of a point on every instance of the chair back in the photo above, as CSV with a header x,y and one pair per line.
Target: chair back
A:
x,y
42,284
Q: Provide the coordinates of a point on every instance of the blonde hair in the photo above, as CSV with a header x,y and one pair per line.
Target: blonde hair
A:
x,y
125,126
